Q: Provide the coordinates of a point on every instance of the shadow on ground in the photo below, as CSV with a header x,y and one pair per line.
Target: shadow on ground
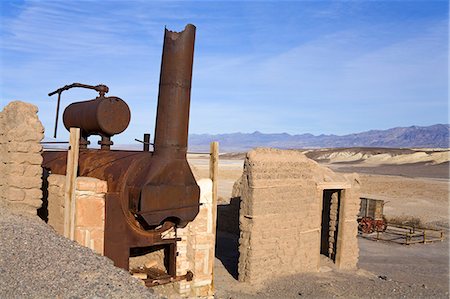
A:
x,y
227,237
227,251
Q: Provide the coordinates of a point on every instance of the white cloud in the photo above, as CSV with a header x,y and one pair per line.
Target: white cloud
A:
x,y
330,82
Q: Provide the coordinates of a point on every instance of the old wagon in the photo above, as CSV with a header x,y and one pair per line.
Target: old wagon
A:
x,y
371,217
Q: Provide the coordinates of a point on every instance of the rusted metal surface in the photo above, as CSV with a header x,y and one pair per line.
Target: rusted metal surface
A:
x,y
148,192
164,190
159,280
175,92
101,89
146,143
369,225
157,276
104,116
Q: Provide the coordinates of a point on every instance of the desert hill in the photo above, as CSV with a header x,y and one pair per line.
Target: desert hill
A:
x,y
435,136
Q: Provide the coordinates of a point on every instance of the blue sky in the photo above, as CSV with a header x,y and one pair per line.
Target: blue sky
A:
x,y
298,67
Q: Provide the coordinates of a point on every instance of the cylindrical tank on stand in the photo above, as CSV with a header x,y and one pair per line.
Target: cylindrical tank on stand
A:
x,y
105,116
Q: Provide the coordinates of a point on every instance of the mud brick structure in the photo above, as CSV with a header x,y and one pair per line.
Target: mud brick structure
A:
x,y
20,157
292,212
90,209
30,188
195,250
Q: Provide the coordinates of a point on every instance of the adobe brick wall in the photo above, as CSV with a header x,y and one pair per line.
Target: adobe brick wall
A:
x,y
20,157
281,212
196,248
90,213
55,200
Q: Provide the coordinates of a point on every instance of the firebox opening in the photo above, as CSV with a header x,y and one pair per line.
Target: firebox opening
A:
x,y
330,220
151,257
167,222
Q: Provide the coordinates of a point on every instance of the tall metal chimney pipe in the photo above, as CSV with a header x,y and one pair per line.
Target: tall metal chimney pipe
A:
x,y
172,119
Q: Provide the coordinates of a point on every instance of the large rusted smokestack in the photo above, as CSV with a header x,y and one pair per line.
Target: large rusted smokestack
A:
x,y
170,185
172,119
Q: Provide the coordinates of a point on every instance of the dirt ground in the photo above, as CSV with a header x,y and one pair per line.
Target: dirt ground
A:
x,y
385,271
411,190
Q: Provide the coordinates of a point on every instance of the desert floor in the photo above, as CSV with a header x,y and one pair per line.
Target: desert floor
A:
x,y
415,187
35,262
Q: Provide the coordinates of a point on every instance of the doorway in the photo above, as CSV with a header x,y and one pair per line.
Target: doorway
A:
x,y
331,201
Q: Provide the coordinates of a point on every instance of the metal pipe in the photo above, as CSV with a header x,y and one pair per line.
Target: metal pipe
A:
x,y
172,119
146,142
57,114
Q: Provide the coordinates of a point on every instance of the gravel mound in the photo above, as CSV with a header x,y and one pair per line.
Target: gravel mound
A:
x,y
36,262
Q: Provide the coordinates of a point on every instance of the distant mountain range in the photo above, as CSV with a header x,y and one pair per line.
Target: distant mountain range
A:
x,y
435,136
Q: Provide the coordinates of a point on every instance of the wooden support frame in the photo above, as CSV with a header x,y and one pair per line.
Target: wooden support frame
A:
x,y
70,184
406,235
214,168
214,176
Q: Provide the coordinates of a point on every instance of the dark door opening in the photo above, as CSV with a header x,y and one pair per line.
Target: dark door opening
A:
x,y
330,220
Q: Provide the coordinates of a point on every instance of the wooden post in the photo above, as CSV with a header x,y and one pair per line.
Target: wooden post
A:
x,y
214,176
367,208
71,176
214,167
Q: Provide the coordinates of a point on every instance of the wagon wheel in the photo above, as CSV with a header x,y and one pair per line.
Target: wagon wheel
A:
x,y
366,225
382,225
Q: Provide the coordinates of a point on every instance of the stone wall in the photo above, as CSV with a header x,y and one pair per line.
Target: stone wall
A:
x,y
20,157
281,214
90,212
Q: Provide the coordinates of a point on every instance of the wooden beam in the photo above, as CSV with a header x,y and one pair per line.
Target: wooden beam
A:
x,y
71,176
214,176
214,168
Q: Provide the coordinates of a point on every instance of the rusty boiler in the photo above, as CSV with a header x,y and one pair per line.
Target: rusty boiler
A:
x,y
148,192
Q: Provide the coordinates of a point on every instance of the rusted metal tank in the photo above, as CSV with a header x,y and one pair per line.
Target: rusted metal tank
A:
x,y
148,192
105,116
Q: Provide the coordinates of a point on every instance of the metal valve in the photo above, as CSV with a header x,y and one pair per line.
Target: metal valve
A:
x,y
101,89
